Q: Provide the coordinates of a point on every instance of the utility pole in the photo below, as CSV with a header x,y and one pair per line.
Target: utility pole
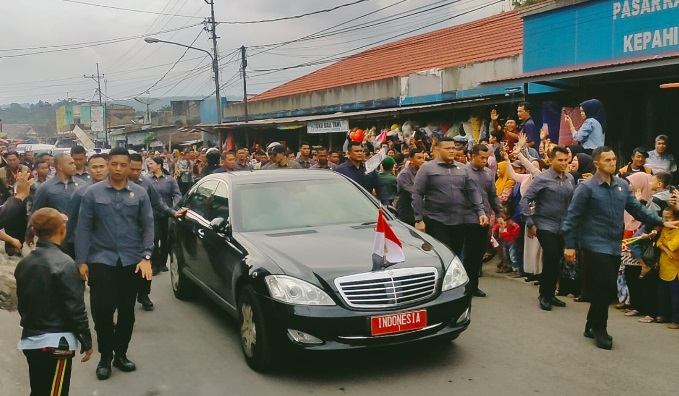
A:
x,y
244,63
211,27
98,80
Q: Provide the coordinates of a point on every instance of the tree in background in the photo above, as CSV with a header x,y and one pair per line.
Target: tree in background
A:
x,y
525,3
148,139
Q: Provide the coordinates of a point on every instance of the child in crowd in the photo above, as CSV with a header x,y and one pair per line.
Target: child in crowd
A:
x,y
508,237
668,290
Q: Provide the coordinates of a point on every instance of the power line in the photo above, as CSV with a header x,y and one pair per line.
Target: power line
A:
x,y
278,45
69,47
157,48
326,60
294,16
173,66
127,9
120,59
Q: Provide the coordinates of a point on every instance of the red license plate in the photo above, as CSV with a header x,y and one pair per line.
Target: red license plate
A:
x,y
398,322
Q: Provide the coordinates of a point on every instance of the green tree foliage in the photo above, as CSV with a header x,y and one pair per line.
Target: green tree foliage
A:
x,y
149,138
525,3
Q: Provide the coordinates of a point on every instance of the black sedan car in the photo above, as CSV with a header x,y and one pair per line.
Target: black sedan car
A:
x,y
288,253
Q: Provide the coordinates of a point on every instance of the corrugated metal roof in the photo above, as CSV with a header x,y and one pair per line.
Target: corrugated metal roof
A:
x,y
490,38
274,122
609,66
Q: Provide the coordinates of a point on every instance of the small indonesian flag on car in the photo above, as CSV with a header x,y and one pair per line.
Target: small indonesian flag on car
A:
x,y
387,249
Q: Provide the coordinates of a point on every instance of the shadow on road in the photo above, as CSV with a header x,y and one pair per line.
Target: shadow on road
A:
x,y
341,365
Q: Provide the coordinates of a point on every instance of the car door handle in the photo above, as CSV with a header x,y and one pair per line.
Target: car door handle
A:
x,y
201,233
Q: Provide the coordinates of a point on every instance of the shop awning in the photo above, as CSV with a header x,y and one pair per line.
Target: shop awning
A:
x,y
353,115
591,69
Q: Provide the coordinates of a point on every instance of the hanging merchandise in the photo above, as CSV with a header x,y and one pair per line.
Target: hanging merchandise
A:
x,y
407,132
357,135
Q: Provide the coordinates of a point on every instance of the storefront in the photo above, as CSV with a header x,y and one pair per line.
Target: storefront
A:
x,y
330,130
619,52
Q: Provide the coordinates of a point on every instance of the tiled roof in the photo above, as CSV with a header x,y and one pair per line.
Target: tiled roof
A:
x,y
495,37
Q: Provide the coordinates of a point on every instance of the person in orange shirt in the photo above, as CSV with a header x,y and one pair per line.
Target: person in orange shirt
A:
x,y
668,289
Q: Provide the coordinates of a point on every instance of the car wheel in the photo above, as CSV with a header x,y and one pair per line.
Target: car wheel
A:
x,y
254,333
182,286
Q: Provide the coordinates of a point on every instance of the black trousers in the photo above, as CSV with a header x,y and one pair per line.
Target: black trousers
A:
x,y
48,375
552,252
643,292
466,241
160,242
603,276
160,252
113,289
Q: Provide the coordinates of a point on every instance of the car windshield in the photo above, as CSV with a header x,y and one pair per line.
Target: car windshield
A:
x,y
300,203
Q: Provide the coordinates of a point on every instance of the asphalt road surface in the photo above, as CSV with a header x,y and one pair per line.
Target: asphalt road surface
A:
x,y
511,348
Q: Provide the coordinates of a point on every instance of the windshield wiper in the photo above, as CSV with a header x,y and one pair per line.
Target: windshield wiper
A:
x,y
369,223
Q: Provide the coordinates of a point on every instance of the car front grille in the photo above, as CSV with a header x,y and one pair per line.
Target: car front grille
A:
x,y
388,288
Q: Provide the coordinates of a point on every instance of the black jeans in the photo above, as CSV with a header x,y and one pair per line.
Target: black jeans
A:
x,y
668,300
113,289
48,375
603,276
466,241
552,252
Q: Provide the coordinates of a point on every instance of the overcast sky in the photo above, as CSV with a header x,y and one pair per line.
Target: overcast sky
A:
x,y
34,64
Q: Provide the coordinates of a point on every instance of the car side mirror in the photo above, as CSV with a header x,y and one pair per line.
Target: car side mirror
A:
x,y
220,224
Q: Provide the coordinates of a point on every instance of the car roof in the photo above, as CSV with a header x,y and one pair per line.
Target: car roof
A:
x,y
277,175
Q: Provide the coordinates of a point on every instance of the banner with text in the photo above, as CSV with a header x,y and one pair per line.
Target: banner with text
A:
x,y
328,126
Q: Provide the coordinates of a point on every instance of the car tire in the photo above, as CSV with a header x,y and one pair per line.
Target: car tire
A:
x,y
182,286
256,342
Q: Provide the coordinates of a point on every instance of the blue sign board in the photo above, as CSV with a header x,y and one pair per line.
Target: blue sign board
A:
x,y
600,31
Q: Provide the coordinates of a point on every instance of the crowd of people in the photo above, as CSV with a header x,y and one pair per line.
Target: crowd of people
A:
x,y
564,218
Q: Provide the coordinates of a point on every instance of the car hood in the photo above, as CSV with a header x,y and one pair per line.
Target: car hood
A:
x,y
328,252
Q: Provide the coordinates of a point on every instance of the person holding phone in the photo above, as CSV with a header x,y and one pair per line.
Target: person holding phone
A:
x,y
591,132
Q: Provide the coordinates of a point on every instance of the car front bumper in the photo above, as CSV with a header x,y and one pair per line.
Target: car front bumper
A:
x,y
338,327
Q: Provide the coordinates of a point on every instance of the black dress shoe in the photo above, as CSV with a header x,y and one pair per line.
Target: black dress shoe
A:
x,y
557,303
545,303
602,339
589,334
104,368
478,293
145,302
124,364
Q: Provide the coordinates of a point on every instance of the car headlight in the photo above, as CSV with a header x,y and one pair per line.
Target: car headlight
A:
x,y
455,275
296,291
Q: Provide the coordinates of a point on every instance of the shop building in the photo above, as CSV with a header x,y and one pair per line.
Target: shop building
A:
x,y
432,79
619,52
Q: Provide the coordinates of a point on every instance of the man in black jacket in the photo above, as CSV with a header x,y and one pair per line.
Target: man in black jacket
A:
x,y
52,307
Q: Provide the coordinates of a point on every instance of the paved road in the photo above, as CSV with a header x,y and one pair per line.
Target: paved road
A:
x,y
511,348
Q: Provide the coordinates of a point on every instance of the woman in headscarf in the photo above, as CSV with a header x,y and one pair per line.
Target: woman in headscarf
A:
x,y
640,184
591,132
504,184
582,166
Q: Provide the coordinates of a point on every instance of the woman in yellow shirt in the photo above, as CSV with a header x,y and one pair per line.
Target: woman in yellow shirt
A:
x,y
668,289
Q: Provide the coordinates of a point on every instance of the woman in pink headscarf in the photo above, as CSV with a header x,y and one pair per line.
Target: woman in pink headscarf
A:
x,y
640,184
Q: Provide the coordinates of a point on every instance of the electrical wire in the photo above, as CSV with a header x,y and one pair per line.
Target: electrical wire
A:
x,y
294,16
71,47
127,9
328,59
173,66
